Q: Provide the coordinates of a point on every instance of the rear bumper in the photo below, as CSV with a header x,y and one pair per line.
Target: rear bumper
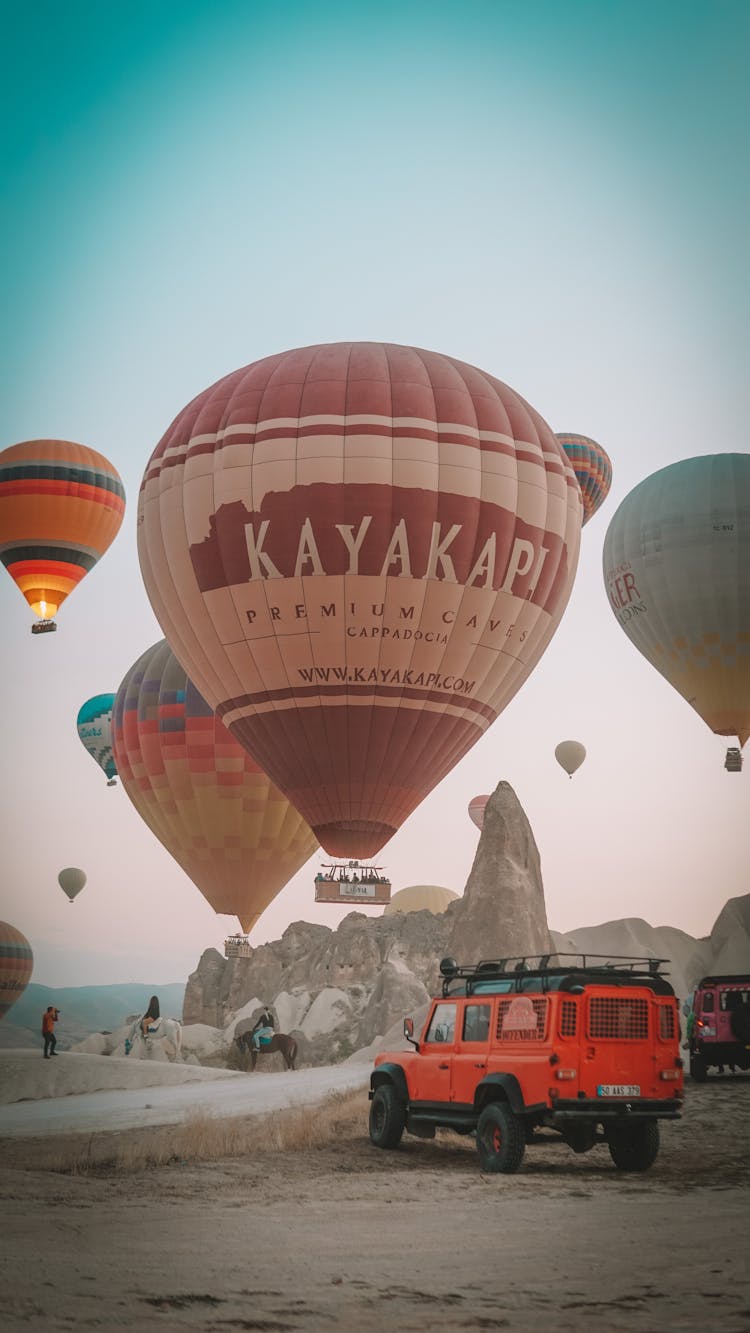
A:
x,y
721,1052
615,1108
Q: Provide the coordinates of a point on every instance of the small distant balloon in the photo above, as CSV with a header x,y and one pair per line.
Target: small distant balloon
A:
x,y
16,966
71,881
94,724
476,810
61,506
570,755
593,469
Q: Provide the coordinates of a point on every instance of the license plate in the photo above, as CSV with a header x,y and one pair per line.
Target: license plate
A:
x,y
618,1090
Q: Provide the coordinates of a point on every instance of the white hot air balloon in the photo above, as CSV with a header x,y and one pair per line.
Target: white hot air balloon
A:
x,y
570,755
71,881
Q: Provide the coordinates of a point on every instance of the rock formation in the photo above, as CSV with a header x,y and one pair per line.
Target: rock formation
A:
x,y
340,990
343,991
502,912
726,952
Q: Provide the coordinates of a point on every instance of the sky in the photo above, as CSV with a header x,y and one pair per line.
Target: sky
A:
x,y
556,193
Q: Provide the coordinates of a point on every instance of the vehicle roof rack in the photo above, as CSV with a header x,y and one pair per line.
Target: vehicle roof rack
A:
x,y
548,964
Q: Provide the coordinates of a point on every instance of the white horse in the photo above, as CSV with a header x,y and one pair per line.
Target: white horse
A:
x,y
167,1029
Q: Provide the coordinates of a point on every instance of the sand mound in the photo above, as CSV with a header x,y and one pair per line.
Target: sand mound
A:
x,y
26,1076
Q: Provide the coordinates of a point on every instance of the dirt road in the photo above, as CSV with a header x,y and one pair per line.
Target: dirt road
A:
x,y
348,1237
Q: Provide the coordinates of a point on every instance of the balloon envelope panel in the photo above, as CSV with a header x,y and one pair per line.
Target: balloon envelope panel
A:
x,y
16,965
94,723
593,469
201,794
420,898
61,506
358,551
677,573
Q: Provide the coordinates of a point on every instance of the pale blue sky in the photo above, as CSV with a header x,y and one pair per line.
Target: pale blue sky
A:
x,y
556,192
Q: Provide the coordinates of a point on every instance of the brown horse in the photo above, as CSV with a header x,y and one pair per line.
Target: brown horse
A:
x,y
280,1041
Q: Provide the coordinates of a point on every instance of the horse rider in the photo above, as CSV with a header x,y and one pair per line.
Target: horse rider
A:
x,y
151,1017
263,1029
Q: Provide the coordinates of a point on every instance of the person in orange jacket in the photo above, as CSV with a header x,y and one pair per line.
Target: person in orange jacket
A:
x,y
49,1018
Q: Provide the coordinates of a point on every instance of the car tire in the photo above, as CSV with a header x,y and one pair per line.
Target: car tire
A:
x,y
634,1147
501,1140
387,1117
698,1068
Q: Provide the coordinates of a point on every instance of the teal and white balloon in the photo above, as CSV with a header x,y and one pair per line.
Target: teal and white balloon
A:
x,y
95,730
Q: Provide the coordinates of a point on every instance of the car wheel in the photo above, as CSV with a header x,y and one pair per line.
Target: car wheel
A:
x,y
500,1139
698,1068
387,1117
634,1147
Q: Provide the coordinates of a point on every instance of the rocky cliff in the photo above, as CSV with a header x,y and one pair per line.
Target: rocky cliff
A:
x,y
342,991
339,990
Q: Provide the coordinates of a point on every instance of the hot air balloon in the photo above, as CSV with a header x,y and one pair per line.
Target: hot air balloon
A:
x,y
71,881
476,810
94,724
358,551
201,794
16,966
61,505
421,898
593,469
570,755
677,572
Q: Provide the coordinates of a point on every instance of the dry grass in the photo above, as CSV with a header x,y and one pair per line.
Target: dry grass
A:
x,y
202,1137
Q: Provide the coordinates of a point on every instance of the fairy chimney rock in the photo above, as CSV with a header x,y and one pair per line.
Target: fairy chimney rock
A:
x,y
502,912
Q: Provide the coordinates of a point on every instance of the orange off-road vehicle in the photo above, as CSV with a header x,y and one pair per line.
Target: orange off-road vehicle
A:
x,y
568,1043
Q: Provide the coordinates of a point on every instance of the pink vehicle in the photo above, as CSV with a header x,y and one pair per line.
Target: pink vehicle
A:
x,y
719,1025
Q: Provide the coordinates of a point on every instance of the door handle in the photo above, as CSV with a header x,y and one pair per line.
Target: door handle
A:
x,y
479,1064
445,1066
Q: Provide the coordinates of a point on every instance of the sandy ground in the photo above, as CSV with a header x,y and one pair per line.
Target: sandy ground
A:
x,y
85,1094
349,1237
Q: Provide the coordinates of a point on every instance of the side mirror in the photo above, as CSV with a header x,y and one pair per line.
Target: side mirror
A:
x,y
409,1031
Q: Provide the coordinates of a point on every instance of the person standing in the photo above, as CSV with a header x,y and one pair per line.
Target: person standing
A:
x,y
49,1018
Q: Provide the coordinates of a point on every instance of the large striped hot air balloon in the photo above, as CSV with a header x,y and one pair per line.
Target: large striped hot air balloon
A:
x,y
16,966
61,505
94,723
200,793
593,468
677,572
358,551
